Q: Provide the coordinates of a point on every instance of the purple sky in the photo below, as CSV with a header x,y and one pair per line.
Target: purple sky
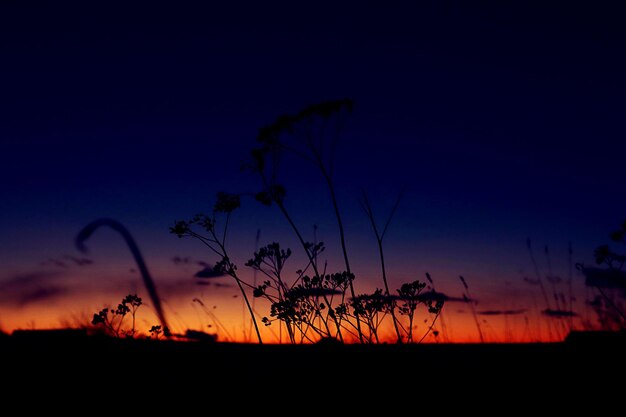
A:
x,y
501,122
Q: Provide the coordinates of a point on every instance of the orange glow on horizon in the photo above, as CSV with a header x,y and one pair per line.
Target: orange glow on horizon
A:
x,y
227,318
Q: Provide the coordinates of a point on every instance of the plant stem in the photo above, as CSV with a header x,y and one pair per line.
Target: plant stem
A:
x,y
245,297
430,328
283,210
379,241
611,303
231,269
342,236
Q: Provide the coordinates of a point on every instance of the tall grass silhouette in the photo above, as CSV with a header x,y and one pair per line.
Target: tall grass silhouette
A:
x,y
215,240
609,279
380,235
313,304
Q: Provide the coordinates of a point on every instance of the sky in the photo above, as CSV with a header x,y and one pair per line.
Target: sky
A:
x,y
501,123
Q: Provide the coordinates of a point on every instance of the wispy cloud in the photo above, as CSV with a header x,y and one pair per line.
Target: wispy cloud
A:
x,y
208,272
32,287
40,294
186,287
532,281
54,262
187,260
439,296
78,261
501,312
66,261
28,278
213,284
427,296
314,292
180,260
558,313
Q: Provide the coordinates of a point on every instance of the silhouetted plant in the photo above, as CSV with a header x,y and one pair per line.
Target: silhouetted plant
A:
x,y
542,287
612,277
102,318
112,320
409,293
410,296
312,134
156,332
215,320
216,241
562,310
270,261
379,241
88,230
557,294
307,304
315,304
468,298
134,302
372,308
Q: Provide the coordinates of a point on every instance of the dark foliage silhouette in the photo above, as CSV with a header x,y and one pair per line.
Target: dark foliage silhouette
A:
x,y
380,235
88,230
609,280
215,240
556,291
315,304
112,319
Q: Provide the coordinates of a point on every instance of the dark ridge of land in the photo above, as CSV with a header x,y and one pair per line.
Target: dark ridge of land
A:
x,y
584,363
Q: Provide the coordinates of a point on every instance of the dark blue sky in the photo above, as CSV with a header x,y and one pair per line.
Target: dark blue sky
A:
x,y
502,121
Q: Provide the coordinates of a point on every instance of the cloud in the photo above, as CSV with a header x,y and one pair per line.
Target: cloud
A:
x,y
558,313
424,297
553,279
439,296
66,261
40,294
53,262
177,287
78,261
314,292
32,287
212,284
208,272
501,312
186,260
26,279
179,260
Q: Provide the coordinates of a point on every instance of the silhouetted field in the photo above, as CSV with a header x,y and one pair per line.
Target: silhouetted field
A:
x,y
581,365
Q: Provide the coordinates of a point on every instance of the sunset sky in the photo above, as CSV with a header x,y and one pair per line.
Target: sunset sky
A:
x,y
502,123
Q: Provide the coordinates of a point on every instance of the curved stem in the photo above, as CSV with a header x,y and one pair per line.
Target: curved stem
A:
x,y
87,231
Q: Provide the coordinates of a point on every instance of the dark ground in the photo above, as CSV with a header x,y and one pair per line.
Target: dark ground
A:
x,y
585,368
